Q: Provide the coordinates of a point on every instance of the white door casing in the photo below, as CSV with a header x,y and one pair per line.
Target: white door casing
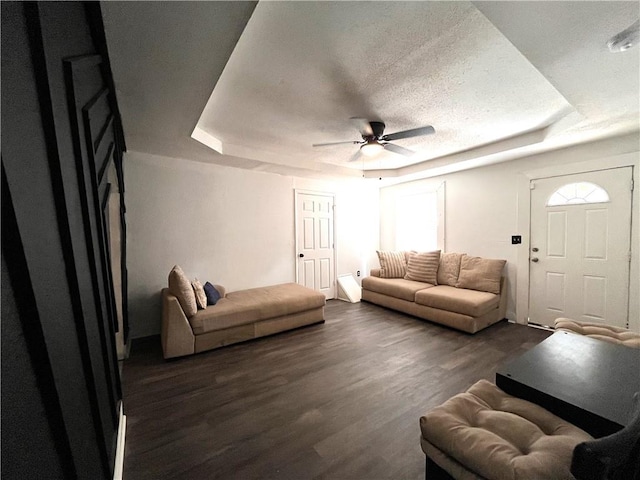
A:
x,y
581,267
315,251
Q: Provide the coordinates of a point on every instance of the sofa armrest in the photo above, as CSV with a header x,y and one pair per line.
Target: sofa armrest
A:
x,y
502,306
375,272
176,335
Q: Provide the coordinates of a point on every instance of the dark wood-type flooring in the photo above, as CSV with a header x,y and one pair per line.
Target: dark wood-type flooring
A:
x,y
336,400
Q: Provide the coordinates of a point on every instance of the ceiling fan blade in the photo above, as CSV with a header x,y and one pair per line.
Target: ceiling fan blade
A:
x,y
363,126
398,149
414,132
352,142
356,156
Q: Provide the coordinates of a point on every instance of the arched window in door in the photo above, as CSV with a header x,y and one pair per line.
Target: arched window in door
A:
x,y
578,193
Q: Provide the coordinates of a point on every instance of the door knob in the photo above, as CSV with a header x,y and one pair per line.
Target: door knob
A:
x,y
534,260
301,255
534,249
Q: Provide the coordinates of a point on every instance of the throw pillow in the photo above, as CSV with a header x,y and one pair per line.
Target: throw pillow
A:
x,y
180,286
423,267
392,264
407,255
212,294
201,297
449,268
481,274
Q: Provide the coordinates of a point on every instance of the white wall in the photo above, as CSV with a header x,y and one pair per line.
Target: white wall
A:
x,y
236,227
485,206
225,225
480,215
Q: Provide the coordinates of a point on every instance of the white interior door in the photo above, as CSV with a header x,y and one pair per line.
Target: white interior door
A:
x,y
580,247
314,240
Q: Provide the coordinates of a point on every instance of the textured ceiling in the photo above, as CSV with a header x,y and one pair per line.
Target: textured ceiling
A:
x,y
498,77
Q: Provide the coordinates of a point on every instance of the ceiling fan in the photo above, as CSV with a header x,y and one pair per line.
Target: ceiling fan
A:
x,y
374,140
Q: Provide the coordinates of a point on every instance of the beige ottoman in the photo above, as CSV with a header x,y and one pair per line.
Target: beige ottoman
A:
x,y
486,433
608,333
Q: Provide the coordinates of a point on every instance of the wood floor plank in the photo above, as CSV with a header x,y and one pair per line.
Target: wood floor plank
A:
x,y
336,400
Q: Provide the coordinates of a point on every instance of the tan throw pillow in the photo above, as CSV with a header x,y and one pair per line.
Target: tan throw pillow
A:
x,y
198,290
481,274
392,264
180,286
423,267
407,255
449,268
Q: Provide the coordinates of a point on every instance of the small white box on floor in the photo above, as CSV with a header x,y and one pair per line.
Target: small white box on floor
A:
x,y
348,289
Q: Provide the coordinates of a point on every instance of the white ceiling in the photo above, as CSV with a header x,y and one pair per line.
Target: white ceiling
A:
x,y
497,80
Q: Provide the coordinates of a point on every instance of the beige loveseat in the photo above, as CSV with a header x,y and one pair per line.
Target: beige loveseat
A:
x,y
236,317
459,291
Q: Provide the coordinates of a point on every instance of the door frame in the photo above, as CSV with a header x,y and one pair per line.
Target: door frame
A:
x,y
302,191
524,228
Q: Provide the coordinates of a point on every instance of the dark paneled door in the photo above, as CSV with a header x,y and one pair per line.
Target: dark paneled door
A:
x,y
61,134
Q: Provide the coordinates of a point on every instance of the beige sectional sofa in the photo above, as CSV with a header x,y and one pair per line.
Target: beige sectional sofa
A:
x,y
466,293
236,317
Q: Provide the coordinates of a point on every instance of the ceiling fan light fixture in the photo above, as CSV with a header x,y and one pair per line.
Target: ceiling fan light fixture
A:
x,y
371,148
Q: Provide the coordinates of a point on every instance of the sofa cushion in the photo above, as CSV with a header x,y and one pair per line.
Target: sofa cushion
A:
x,y
496,435
394,287
255,304
423,267
449,268
392,264
458,300
481,274
180,287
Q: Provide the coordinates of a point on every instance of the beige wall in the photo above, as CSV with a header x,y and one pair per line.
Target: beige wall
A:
x,y
226,225
485,206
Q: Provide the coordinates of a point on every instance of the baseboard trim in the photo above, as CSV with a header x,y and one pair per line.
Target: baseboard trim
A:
x,y
541,327
118,468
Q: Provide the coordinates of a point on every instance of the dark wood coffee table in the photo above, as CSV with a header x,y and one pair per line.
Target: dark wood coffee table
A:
x,y
585,381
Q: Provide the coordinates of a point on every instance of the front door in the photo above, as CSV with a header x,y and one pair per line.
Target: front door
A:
x,y
314,232
580,247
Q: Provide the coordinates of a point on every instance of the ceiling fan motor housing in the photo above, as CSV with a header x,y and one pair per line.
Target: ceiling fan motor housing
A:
x,y
377,128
